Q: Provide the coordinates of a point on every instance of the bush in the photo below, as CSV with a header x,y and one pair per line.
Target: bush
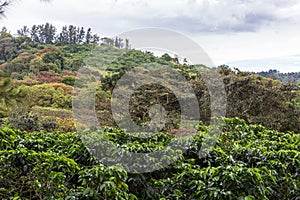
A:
x,y
247,162
48,124
68,80
24,120
47,77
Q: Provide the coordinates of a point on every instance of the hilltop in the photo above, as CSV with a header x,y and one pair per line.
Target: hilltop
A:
x,y
39,68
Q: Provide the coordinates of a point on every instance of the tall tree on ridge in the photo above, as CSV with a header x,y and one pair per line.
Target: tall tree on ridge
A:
x,y
88,36
24,31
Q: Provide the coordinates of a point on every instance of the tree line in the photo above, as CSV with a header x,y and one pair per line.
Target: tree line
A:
x,y
47,34
290,77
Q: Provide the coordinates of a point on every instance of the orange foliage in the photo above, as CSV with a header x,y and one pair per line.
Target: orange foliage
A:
x,y
47,49
68,73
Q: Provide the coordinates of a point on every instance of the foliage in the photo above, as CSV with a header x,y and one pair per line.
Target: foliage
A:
x,y
261,101
48,95
247,162
2,6
66,125
68,80
39,70
48,124
31,62
248,96
47,77
46,119
24,120
10,96
290,77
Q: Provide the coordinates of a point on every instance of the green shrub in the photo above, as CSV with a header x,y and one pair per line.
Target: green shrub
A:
x,y
24,120
247,162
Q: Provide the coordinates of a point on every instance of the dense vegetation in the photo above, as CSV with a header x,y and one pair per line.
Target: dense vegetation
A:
x,y
42,75
42,155
247,162
290,77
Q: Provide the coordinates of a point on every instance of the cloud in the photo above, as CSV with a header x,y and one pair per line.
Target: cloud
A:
x,y
228,30
206,15
284,63
194,16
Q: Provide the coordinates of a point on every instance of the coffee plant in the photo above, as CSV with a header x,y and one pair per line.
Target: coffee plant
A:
x,y
247,162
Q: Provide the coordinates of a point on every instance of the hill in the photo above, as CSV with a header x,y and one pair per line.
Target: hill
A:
x,y
45,153
40,67
291,77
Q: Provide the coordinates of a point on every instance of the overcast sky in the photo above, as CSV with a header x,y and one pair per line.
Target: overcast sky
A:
x,y
249,34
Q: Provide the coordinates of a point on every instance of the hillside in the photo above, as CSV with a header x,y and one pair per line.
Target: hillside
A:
x,y
291,77
45,153
39,73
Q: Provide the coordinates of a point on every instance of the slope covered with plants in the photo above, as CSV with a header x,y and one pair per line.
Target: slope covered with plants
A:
x,y
42,155
39,68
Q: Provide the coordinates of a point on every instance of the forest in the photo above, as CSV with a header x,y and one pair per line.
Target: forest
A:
x,y
42,155
291,77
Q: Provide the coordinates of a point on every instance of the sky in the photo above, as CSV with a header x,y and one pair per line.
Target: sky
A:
x,y
251,35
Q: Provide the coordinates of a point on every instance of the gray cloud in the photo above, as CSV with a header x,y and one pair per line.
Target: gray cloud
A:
x,y
207,15
220,16
245,29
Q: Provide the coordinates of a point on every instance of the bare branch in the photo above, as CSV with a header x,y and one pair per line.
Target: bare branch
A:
x,y
2,6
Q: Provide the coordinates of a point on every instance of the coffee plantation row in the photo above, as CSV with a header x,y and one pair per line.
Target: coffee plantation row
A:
x,y
246,162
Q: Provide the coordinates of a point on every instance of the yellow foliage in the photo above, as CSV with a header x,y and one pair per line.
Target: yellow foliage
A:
x,y
68,125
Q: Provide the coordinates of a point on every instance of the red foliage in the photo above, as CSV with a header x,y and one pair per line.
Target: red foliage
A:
x,y
47,77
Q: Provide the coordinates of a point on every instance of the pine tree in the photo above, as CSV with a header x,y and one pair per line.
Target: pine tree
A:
x,y
34,33
88,36
127,46
49,33
72,34
24,31
81,35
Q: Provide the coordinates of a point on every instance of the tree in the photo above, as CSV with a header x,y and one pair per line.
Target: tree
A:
x,y
42,33
88,36
3,5
49,33
63,37
76,35
95,39
8,49
127,46
107,41
24,31
72,34
9,95
166,57
118,42
80,35
36,64
34,33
